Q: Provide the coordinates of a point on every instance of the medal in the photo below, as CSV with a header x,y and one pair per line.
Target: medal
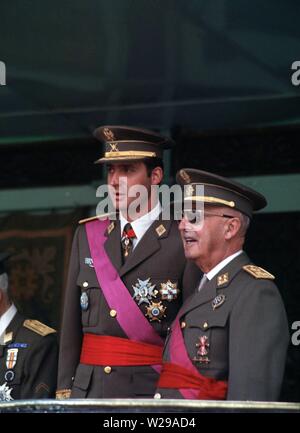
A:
x,y
84,301
9,376
155,311
5,393
144,291
168,291
11,358
202,352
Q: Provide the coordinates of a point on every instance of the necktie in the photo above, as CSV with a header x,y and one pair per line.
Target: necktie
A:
x,y
127,240
202,282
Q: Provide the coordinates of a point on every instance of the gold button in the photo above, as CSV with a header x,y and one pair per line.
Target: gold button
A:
x,y
107,369
85,284
205,325
183,325
113,313
157,395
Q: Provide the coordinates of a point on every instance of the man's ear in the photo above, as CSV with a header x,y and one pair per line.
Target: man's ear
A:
x,y
232,228
157,176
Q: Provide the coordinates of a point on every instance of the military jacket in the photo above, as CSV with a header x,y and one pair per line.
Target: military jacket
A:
x,y
159,257
28,360
242,318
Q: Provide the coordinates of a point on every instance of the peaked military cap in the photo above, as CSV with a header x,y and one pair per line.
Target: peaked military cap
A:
x,y
3,259
125,143
220,191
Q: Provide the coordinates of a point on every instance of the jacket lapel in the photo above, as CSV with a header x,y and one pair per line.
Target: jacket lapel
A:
x,y
113,244
12,329
148,245
210,289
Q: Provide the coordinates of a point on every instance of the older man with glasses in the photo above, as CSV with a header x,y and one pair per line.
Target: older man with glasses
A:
x,y
230,338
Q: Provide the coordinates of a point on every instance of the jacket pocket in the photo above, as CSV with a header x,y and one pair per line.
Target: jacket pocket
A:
x,y
82,381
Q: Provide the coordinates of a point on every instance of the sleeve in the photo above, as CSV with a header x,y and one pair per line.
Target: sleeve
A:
x,y
71,329
258,340
40,369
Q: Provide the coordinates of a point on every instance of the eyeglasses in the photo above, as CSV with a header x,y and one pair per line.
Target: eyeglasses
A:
x,y
197,216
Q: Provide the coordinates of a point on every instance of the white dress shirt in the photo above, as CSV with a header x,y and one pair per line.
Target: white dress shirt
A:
x,y
141,225
6,318
214,271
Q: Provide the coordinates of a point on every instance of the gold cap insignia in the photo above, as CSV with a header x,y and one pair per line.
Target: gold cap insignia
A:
x,y
258,272
160,230
109,134
38,327
113,147
222,279
183,174
189,190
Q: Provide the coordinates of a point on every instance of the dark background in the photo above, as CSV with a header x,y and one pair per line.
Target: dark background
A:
x,y
215,75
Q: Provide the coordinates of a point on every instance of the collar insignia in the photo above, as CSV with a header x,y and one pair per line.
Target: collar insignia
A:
x,y
160,230
222,279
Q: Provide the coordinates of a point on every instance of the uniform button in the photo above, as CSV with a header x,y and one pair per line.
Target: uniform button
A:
x,y
157,395
183,325
113,313
107,369
205,325
85,284
73,379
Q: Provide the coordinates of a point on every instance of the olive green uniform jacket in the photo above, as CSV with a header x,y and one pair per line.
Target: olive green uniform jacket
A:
x,y
247,333
159,256
34,374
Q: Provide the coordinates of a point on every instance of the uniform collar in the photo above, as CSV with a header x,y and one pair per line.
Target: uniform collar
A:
x,y
7,317
141,225
214,271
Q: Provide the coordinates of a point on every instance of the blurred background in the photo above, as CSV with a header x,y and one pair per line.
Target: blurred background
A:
x,y
219,76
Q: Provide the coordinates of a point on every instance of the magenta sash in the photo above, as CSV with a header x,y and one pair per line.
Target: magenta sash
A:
x,y
129,316
178,355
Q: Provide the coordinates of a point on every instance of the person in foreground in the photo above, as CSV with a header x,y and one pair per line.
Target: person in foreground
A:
x,y
230,337
28,350
126,279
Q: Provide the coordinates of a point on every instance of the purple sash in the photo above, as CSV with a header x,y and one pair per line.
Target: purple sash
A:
x,y
179,356
129,316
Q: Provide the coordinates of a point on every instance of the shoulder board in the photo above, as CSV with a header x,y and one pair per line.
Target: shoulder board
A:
x,y
97,217
38,327
258,272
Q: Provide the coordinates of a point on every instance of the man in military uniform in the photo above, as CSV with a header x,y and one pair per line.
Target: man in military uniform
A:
x,y
28,351
126,281
230,338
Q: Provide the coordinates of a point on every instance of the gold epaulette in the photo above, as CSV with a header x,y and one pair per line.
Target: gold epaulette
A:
x,y
96,217
258,272
38,327
62,394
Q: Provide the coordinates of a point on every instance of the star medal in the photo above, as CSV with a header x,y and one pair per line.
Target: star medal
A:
x,y
168,291
144,291
155,311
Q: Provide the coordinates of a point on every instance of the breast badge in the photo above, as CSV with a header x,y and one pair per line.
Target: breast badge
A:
x,y
218,301
5,392
155,311
202,352
84,301
168,291
11,358
144,291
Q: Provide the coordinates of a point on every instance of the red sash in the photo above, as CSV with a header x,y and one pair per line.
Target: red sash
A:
x,y
105,350
175,376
